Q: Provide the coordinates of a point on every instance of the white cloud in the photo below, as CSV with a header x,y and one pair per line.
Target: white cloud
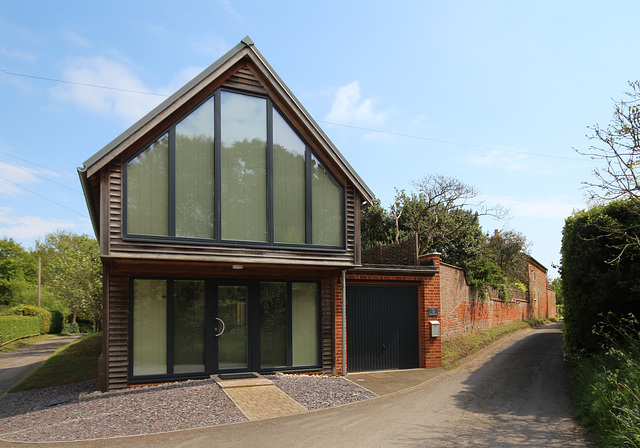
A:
x,y
125,104
18,55
556,207
349,108
210,45
10,175
501,160
26,229
76,39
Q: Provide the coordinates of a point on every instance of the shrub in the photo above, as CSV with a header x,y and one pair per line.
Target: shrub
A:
x,y
30,310
13,327
57,321
71,328
592,282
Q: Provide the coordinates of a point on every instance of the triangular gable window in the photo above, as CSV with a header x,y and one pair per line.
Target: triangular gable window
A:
x,y
233,171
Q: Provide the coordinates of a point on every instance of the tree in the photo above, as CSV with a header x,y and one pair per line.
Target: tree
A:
x,y
508,250
438,212
73,271
618,145
376,226
17,270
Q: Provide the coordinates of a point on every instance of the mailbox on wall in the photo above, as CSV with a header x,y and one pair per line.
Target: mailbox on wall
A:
x,y
435,328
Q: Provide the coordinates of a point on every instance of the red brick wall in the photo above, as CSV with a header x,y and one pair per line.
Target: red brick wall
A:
x,y
464,312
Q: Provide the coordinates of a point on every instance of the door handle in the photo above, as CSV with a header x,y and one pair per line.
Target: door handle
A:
x,y
223,327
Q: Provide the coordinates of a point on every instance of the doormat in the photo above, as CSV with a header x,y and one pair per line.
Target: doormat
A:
x,y
237,376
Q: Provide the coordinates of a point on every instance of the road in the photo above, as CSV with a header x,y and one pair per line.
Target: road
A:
x,y
513,394
18,364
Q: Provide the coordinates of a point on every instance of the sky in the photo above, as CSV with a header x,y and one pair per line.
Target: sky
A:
x,y
498,94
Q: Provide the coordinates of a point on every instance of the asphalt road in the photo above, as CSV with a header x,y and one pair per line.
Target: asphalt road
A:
x,y
513,394
18,364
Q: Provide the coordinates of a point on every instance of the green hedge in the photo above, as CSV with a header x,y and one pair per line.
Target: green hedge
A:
x,y
30,310
57,322
13,327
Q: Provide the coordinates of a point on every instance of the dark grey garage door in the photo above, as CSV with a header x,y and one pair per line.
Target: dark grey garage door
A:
x,y
382,327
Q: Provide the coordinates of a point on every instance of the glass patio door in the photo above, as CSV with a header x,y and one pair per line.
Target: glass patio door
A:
x,y
231,327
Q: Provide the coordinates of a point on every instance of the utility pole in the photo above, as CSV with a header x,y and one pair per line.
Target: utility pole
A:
x,y
39,269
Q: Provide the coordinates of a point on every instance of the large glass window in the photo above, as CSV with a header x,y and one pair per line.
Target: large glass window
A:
x,y
188,326
148,190
304,324
244,167
288,183
233,170
149,327
273,324
195,173
327,207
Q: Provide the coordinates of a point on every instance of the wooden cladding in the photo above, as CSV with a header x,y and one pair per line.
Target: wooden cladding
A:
x,y
244,79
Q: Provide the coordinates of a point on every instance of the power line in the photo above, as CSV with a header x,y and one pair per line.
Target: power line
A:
x,y
397,134
39,166
43,197
41,177
22,75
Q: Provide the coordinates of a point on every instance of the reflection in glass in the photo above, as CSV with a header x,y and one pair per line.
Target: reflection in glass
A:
x,y
188,326
288,183
149,327
244,159
273,324
148,190
327,207
232,310
195,173
304,324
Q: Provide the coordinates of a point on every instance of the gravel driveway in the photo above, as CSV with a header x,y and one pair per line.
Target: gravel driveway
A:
x,y
170,407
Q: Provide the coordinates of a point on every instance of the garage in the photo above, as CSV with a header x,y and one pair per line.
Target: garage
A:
x,y
382,327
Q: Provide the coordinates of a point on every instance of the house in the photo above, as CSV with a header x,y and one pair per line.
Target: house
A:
x,y
228,226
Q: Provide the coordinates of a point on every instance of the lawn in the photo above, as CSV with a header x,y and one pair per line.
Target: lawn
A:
x,y
70,364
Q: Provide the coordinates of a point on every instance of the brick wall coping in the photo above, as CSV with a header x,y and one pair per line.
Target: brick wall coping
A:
x,y
396,269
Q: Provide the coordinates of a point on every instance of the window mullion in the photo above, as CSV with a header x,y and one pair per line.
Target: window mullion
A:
x,y
172,182
217,168
307,196
269,168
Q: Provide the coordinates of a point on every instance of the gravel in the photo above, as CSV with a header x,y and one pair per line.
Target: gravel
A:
x,y
169,407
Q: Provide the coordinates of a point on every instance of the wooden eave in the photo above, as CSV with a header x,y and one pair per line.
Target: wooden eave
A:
x,y
187,97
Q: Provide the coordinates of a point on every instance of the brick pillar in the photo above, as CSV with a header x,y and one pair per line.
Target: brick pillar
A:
x,y
430,347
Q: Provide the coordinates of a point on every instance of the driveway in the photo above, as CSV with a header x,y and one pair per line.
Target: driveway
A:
x,y
18,364
513,394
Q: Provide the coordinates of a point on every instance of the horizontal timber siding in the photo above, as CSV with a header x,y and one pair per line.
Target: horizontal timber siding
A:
x,y
244,79
118,348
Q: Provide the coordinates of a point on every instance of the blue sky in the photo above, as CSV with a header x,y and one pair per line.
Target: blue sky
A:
x,y
494,93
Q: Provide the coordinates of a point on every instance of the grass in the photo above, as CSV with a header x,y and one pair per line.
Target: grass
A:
x,y
27,341
70,364
454,349
605,387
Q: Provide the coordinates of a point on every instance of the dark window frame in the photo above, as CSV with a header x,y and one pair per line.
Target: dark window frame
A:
x,y
217,239
210,349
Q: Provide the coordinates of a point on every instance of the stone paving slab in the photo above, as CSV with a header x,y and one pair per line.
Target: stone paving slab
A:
x,y
258,398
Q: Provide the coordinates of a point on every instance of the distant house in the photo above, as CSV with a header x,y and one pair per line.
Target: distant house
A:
x,y
229,228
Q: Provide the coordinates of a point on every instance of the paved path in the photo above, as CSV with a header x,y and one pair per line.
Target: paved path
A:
x,y
258,398
513,394
18,364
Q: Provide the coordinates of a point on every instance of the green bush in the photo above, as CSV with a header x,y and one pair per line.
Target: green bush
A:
x,y
30,310
594,281
13,327
606,386
57,322
71,328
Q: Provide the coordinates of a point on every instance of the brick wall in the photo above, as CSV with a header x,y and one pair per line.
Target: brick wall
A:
x,y
464,312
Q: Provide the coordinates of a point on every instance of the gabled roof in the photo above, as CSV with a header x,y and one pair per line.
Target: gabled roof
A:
x,y
220,68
